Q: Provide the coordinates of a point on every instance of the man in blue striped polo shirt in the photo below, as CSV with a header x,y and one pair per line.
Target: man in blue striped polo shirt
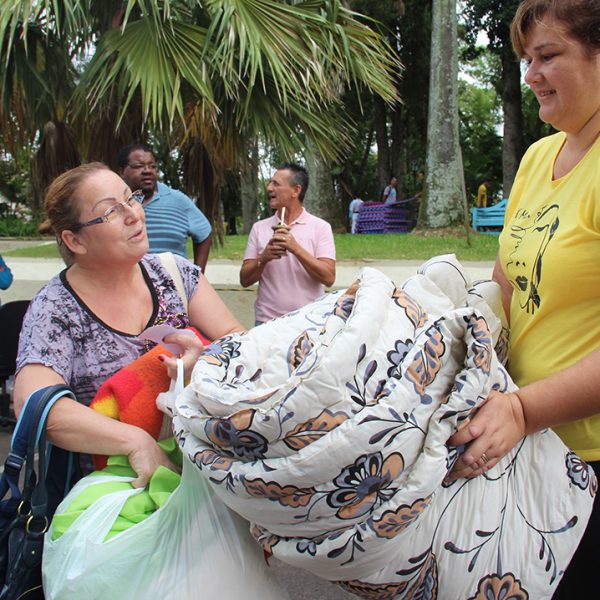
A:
x,y
170,215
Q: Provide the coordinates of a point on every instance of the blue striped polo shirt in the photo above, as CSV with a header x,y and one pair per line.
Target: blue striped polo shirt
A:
x,y
170,218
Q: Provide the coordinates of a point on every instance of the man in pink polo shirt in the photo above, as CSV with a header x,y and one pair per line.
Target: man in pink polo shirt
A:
x,y
294,263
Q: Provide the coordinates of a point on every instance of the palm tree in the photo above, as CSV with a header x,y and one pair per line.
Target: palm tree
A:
x,y
212,74
36,83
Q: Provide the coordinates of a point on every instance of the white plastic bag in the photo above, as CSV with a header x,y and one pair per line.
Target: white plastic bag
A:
x,y
165,402
193,547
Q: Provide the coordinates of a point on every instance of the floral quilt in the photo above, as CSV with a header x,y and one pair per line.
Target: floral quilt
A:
x,y
327,430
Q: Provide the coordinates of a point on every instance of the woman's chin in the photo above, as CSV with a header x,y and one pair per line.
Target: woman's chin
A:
x,y
140,243
140,249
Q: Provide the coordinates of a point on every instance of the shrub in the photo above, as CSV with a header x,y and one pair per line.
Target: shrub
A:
x,y
12,226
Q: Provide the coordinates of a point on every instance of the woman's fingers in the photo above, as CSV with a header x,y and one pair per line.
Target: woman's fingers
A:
x,y
192,348
473,467
465,434
145,458
187,341
497,426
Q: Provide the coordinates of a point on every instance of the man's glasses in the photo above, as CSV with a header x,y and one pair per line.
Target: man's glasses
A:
x,y
141,166
115,212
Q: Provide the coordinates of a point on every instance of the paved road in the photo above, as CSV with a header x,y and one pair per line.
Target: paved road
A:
x,y
31,274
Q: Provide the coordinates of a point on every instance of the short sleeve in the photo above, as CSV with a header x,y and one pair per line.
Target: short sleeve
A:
x,y
45,335
252,250
519,184
325,247
199,227
190,273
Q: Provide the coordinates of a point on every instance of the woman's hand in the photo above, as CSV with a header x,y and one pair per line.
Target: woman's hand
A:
x,y
497,427
192,349
145,457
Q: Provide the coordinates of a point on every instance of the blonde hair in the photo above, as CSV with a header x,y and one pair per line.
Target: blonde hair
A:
x,y
61,203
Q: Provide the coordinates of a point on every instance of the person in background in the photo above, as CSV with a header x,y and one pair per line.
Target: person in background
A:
x,y
171,217
548,267
6,277
482,194
83,326
353,210
389,193
291,257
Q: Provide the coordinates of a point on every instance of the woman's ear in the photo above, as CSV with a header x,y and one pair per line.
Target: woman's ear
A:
x,y
73,241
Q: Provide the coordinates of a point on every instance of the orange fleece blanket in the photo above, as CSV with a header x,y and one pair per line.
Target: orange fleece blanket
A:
x,y
130,394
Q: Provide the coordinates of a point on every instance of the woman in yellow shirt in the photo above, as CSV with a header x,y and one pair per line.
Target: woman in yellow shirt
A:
x,y
548,265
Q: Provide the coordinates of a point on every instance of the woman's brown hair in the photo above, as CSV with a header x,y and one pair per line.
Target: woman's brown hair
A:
x,y
61,203
580,19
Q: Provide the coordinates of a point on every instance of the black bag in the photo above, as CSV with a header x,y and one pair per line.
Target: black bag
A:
x,y
25,513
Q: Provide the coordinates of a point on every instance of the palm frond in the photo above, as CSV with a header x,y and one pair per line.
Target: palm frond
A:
x,y
310,49
64,18
36,80
143,57
216,72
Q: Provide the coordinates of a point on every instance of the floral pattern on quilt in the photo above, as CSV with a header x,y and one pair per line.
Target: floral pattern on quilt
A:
x,y
327,430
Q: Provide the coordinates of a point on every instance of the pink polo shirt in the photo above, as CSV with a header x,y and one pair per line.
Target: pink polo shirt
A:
x,y
284,284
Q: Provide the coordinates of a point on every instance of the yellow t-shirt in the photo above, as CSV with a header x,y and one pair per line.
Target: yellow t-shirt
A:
x,y
550,253
481,201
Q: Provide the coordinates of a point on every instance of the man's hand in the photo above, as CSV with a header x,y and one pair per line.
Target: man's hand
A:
x,y
275,248
321,269
497,427
283,241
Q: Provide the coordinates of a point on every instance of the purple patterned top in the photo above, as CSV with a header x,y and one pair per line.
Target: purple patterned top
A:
x,y
61,332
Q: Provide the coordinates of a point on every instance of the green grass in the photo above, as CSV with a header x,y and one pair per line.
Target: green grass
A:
x,y
351,247
44,250
393,246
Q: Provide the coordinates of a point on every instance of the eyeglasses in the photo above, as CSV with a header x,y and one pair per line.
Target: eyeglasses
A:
x,y
141,166
115,212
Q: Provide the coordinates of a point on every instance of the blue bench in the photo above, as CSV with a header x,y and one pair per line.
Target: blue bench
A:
x,y
492,216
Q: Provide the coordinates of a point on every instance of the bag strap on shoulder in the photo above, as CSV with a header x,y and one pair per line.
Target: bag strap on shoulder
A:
x,y
168,262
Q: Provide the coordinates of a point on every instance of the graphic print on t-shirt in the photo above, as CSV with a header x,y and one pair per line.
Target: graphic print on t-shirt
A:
x,y
530,235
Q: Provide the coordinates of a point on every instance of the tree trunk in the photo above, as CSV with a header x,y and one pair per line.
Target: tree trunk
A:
x,y
444,196
201,184
249,187
399,149
381,137
56,154
320,199
512,144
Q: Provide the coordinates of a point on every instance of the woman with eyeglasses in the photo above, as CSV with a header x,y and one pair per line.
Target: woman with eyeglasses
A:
x,y
548,265
82,327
